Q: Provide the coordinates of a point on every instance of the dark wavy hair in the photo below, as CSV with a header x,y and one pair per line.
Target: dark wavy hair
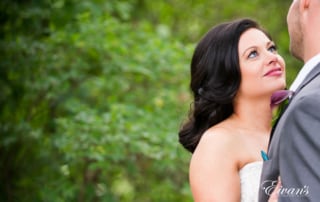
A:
x,y
215,79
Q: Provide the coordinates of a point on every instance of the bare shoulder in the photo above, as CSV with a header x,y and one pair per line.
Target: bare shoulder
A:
x,y
217,144
214,166
219,139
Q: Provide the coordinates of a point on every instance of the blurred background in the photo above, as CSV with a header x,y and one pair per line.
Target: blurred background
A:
x,y
93,92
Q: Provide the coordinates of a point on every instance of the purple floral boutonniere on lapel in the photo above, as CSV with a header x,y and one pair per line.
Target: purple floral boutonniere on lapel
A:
x,y
279,96
279,100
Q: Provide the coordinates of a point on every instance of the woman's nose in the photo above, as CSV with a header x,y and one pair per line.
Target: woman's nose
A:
x,y
271,57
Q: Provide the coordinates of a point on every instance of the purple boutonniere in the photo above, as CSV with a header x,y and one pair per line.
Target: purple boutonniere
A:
x,y
280,96
279,100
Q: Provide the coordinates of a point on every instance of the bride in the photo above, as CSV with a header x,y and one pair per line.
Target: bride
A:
x,y
234,71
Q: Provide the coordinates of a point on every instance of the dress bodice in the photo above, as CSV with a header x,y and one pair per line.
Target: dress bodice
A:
x,y
250,180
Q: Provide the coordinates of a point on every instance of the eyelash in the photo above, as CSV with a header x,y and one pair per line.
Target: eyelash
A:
x,y
274,47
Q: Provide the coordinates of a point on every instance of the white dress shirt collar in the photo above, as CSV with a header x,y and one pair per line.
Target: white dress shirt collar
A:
x,y
306,69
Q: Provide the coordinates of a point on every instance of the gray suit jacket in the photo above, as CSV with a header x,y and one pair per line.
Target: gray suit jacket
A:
x,y
294,150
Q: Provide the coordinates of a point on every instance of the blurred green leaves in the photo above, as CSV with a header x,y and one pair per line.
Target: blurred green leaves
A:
x,y
89,110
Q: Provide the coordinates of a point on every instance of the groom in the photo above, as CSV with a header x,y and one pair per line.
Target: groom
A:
x,y
294,151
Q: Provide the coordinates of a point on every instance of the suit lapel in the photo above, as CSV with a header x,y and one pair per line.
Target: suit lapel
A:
x,y
314,72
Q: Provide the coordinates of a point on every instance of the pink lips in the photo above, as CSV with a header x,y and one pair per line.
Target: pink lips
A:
x,y
274,72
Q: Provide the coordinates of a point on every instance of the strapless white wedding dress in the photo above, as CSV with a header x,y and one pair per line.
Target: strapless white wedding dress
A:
x,y
250,181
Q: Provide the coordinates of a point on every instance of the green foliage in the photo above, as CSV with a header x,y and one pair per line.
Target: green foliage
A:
x,y
92,94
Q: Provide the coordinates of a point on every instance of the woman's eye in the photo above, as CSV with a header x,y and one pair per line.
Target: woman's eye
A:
x,y
272,48
253,54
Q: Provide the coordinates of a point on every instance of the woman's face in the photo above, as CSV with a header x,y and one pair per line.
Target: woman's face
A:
x,y
262,68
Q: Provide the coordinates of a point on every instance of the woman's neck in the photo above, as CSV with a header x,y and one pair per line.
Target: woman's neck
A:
x,y
255,115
